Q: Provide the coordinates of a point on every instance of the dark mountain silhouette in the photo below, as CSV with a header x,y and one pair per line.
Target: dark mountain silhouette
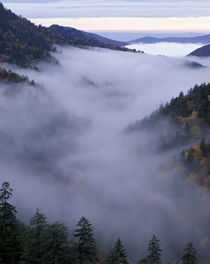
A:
x,y
201,52
68,31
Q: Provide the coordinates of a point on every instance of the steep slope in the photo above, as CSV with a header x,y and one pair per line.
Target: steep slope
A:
x,y
12,77
24,43
183,123
201,52
21,42
200,39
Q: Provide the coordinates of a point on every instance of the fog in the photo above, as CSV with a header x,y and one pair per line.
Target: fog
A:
x,y
64,148
166,49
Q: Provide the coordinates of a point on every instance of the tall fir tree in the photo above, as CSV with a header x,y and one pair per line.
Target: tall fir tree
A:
x,y
34,241
203,147
190,255
10,249
86,243
154,251
55,247
117,254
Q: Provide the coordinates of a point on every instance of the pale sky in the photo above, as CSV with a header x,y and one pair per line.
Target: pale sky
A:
x,y
118,15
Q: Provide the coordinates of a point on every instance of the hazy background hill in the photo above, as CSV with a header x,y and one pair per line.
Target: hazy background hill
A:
x,y
68,32
198,39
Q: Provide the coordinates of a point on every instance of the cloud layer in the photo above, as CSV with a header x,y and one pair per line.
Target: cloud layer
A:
x,y
64,151
110,8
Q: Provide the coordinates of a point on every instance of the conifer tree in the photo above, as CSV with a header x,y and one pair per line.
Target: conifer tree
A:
x,y
190,255
154,251
9,244
86,244
143,261
55,246
34,241
203,147
117,254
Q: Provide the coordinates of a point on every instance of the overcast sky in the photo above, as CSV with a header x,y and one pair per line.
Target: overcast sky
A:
x,y
136,15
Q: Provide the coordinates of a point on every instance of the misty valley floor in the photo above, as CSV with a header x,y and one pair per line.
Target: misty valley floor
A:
x,y
66,144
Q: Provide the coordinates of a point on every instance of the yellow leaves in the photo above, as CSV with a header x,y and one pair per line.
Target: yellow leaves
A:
x,y
196,131
194,115
178,170
204,161
207,181
194,177
194,153
186,155
180,119
6,80
203,242
189,105
197,152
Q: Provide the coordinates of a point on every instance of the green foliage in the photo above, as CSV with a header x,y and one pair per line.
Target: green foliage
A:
x,y
185,119
9,244
12,77
204,147
117,254
55,246
190,255
154,251
24,43
195,163
45,243
35,238
86,243
143,261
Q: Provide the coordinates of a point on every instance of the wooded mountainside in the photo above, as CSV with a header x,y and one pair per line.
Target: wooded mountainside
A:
x,y
184,122
23,43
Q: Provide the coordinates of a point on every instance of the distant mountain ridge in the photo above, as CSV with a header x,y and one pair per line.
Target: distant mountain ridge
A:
x,y
205,39
88,35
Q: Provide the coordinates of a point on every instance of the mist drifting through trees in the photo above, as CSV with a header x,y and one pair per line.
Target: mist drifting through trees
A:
x,y
65,150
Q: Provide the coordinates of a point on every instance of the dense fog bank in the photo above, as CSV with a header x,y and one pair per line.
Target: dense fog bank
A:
x,y
64,148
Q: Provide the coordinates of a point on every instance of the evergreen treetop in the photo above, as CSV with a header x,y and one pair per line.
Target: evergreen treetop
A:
x,y
86,242
117,254
154,251
190,255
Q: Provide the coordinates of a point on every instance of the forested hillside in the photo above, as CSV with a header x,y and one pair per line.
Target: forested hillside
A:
x,y
7,77
189,116
184,123
23,43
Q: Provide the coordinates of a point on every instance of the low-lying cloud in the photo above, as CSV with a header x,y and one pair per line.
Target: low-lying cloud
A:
x,y
64,150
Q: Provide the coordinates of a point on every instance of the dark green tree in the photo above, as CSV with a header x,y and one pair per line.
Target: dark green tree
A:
x,y
143,261
9,243
190,255
34,241
74,255
86,243
117,254
203,147
154,251
55,245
